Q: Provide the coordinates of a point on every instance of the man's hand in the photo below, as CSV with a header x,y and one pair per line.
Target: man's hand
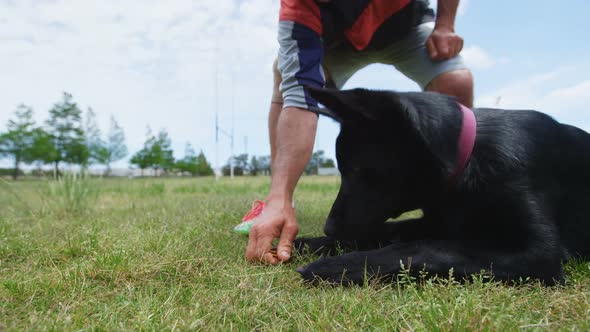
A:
x,y
443,44
276,221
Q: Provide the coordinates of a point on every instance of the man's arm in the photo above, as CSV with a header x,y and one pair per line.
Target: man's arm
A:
x,y
446,12
295,139
444,43
299,65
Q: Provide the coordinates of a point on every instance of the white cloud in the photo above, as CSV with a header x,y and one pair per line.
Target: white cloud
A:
x,y
477,58
556,92
577,91
148,62
463,4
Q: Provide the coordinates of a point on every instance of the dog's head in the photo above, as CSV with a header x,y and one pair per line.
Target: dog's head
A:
x,y
393,150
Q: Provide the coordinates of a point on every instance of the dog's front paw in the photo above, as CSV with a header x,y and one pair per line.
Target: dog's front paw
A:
x,y
347,269
356,267
315,246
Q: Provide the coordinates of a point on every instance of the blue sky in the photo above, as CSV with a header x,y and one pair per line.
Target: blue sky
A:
x,y
154,63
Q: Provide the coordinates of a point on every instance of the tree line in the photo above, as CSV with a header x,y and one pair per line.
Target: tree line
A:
x,y
64,138
68,137
157,154
261,165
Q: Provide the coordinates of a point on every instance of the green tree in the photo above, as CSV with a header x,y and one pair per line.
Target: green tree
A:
x,y
141,160
94,142
156,153
114,149
203,166
18,140
318,160
43,150
264,164
241,161
189,162
143,157
241,165
254,166
328,163
161,153
65,127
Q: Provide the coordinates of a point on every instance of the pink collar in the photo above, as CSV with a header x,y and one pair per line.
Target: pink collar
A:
x,y
466,141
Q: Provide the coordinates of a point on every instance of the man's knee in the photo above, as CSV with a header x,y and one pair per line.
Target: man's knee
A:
x,y
457,83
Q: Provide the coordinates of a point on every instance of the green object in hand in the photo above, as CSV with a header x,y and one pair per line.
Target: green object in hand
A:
x,y
244,227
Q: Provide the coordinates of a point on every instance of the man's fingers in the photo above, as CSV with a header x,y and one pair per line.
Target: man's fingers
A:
x,y
431,47
460,46
455,46
275,222
286,241
252,241
259,248
443,46
263,250
270,258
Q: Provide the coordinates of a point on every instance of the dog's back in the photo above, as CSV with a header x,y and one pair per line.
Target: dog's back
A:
x,y
550,157
573,208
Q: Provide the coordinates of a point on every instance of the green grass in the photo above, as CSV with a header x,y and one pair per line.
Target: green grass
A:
x,y
159,254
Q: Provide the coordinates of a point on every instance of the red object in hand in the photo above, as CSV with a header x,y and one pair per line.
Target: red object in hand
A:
x,y
255,211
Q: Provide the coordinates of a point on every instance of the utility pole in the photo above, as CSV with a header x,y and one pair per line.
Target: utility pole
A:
x,y
217,167
218,130
231,163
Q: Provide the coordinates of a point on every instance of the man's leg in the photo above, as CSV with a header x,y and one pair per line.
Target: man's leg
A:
x,y
458,83
411,58
276,105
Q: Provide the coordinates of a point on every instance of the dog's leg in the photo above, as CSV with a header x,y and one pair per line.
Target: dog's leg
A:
x,y
327,246
388,233
322,245
435,258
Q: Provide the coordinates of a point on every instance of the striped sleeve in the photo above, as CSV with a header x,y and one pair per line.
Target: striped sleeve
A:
x,y
300,56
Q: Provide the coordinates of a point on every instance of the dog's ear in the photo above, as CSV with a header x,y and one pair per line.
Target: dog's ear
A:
x,y
341,103
431,118
436,120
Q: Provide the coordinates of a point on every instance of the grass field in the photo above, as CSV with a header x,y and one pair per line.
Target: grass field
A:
x,y
159,254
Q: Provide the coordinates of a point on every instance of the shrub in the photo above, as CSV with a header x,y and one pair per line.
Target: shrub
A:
x,y
10,172
73,192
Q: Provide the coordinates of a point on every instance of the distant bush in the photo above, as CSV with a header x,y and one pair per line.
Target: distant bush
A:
x,y
42,173
73,192
157,188
10,171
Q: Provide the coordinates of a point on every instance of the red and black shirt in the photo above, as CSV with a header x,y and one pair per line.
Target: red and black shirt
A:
x,y
307,29
363,23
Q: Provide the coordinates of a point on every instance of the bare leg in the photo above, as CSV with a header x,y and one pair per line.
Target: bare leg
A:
x,y
276,106
457,83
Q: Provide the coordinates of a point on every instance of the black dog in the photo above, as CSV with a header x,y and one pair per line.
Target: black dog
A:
x,y
518,209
